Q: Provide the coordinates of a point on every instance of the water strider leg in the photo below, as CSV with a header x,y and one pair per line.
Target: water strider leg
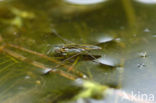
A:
x,y
59,36
75,62
69,59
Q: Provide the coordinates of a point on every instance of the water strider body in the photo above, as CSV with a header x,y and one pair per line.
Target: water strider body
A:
x,y
71,49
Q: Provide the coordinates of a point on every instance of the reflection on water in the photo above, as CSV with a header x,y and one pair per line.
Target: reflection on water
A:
x,y
147,1
106,61
84,2
105,39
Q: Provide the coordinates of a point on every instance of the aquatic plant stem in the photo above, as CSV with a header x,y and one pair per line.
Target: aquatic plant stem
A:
x,y
38,64
129,10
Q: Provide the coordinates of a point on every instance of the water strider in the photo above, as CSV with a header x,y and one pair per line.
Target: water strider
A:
x,y
73,50
70,51
5,47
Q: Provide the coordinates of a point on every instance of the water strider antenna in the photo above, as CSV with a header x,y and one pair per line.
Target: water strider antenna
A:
x,y
59,36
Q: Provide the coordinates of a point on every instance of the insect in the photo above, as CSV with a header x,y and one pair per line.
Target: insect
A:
x,y
70,49
73,50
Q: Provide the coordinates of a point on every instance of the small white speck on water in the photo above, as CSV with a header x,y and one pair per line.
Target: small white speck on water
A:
x,y
146,30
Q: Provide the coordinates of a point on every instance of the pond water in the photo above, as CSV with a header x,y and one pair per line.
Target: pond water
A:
x,y
124,29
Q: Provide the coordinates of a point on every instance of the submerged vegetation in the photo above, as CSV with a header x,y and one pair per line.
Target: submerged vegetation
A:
x,y
58,51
